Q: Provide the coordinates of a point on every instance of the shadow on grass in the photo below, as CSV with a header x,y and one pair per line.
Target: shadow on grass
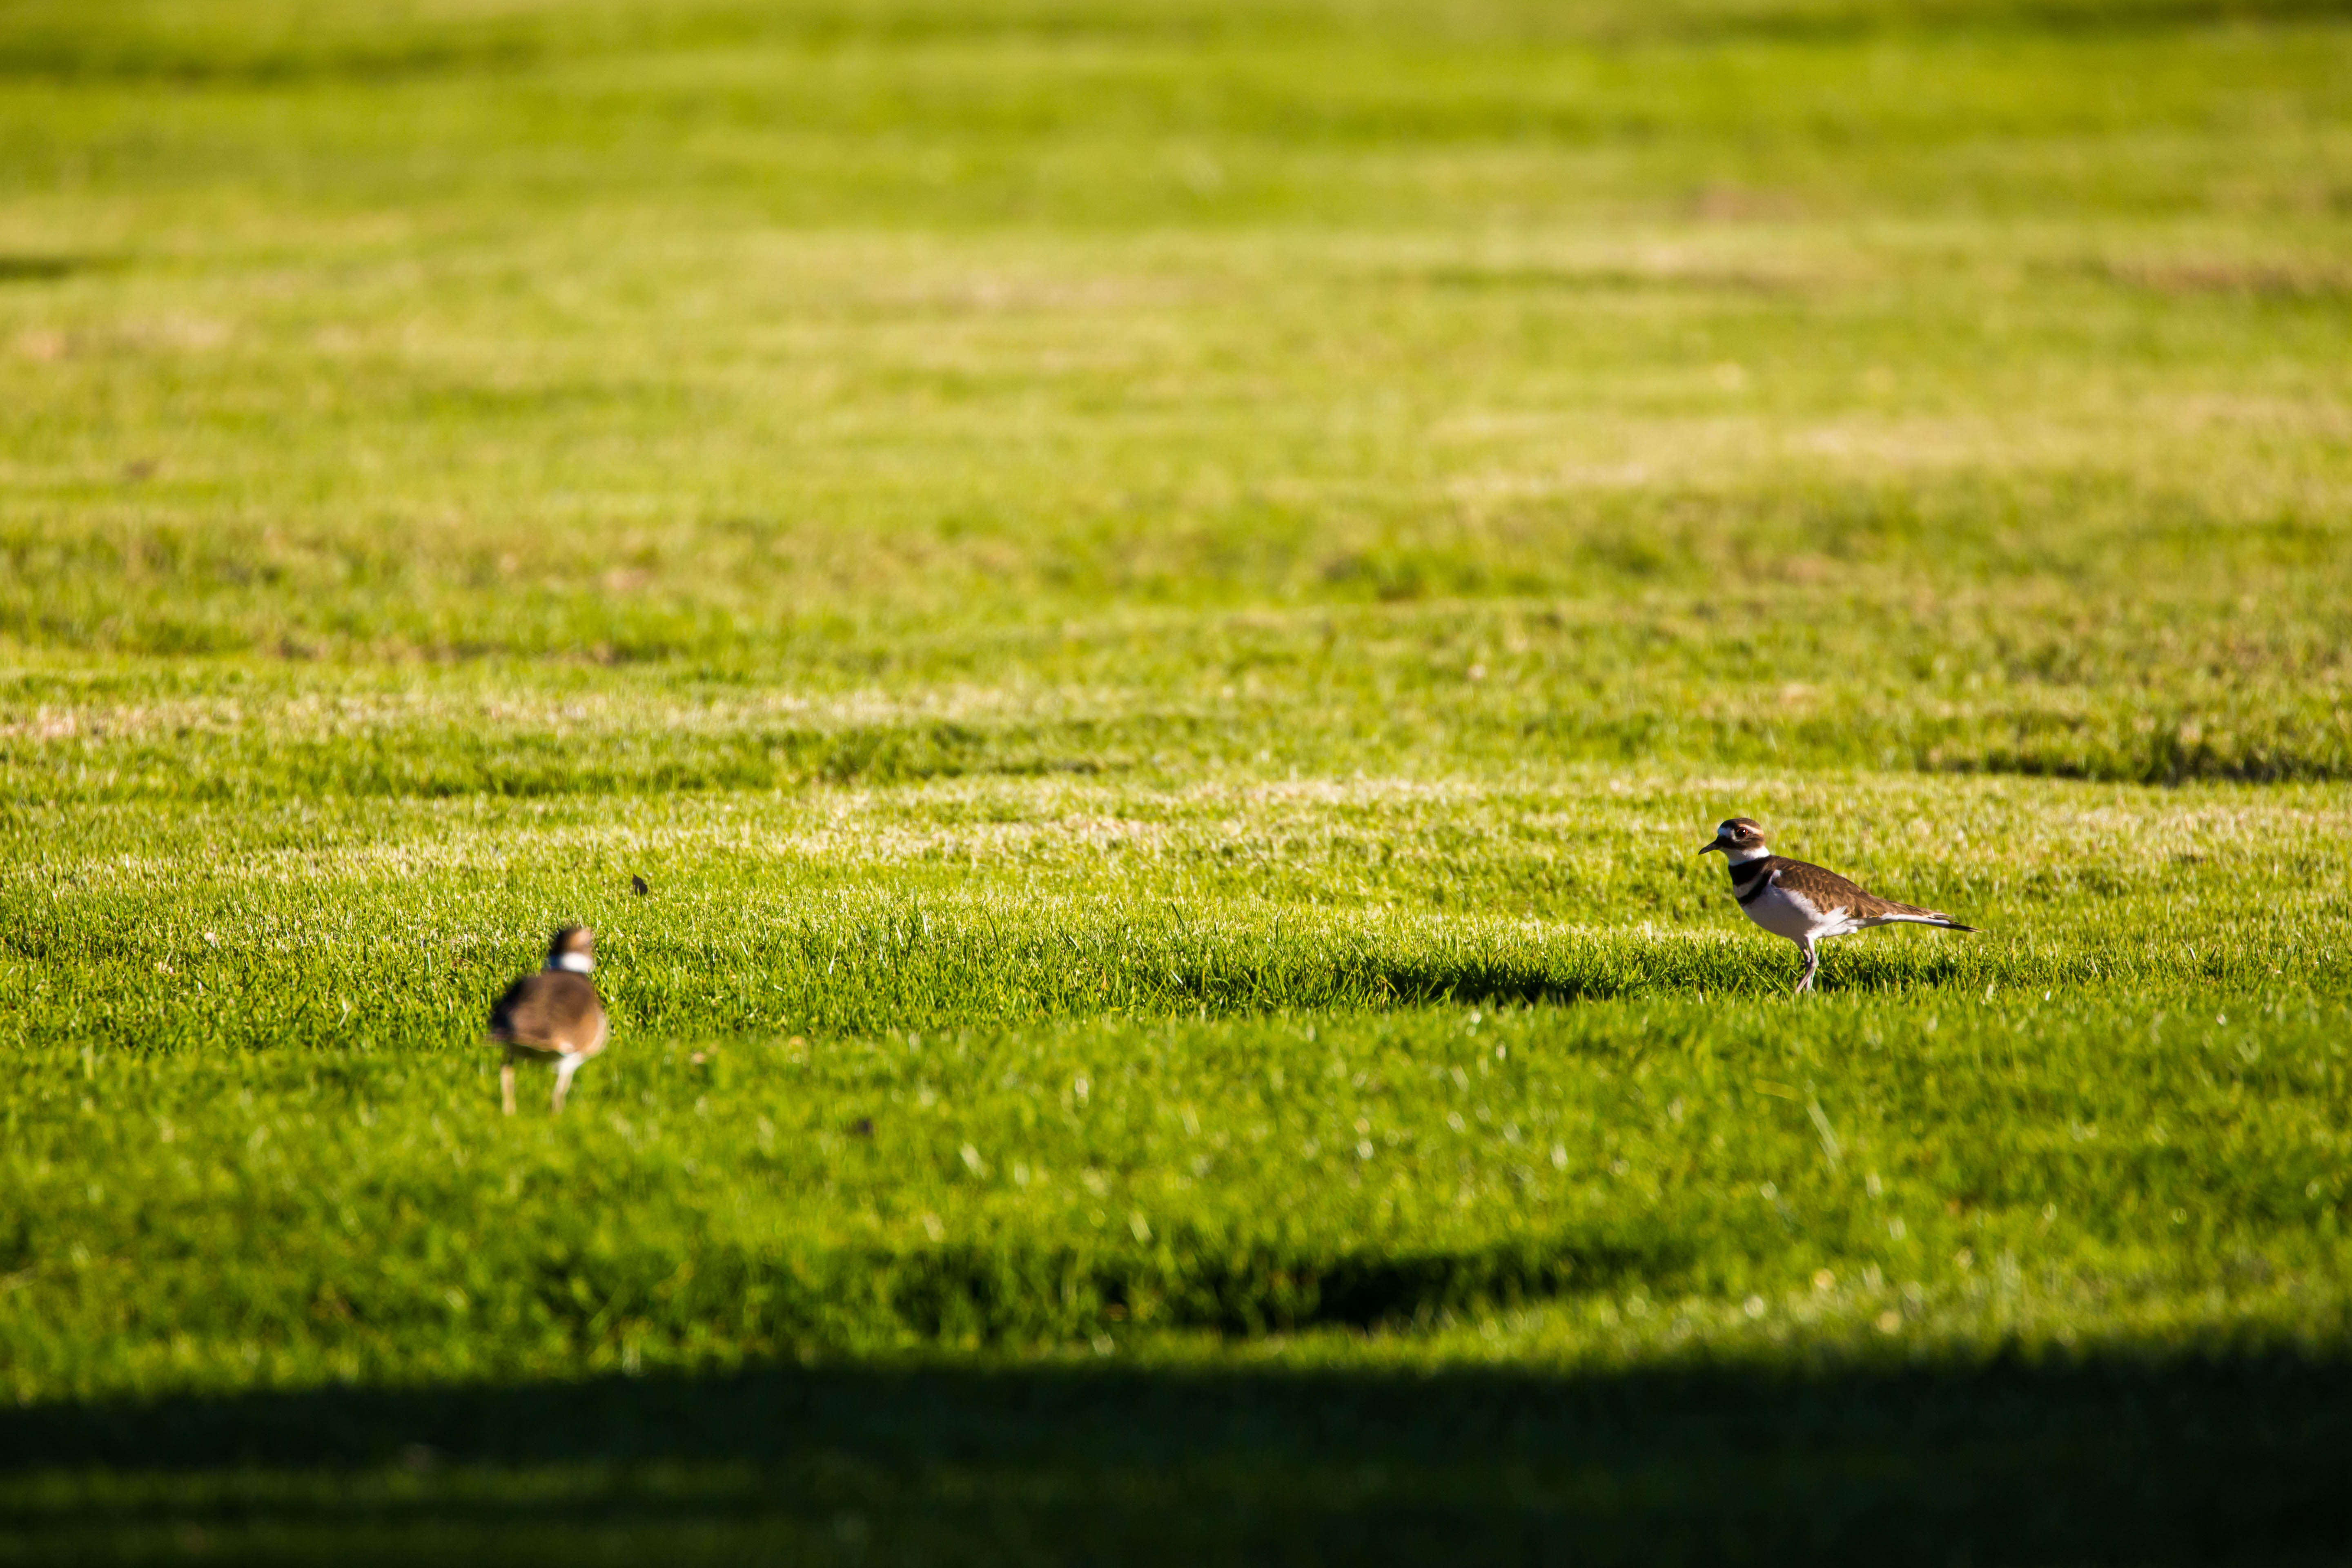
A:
x,y
22,268
2118,1460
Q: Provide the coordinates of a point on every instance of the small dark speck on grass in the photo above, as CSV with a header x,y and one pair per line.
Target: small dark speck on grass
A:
x,y
142,469
862,1128
638,886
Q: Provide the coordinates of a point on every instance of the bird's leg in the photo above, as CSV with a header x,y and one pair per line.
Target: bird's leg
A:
x,y
564,1072
506,1084
1812,962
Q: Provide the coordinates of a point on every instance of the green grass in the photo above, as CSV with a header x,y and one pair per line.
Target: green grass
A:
x,y
1162,593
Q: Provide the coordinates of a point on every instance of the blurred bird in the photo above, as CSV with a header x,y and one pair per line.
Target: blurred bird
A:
x,y
1805,903
554,1015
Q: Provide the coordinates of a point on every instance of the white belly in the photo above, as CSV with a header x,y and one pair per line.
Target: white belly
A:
x,y
1788,914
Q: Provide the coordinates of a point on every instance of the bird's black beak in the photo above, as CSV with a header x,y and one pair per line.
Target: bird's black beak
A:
x,y
1712,847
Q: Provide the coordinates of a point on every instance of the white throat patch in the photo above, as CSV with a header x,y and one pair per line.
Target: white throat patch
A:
x,y
578,963
1741,856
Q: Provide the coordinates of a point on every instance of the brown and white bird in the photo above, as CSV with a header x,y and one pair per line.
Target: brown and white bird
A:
x,y
554,1015
1805,903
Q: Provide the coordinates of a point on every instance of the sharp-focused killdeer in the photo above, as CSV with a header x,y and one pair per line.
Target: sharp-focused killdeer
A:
x,y
554,1015
1805,903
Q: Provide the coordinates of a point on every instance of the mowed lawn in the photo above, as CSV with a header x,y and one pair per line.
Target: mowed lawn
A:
x,y
1161,595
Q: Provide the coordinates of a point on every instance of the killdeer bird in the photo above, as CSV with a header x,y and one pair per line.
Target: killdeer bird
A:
x,y
554,1015
1805,903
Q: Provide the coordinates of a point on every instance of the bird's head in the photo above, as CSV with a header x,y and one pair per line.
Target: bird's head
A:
x,y
574,947
1740,838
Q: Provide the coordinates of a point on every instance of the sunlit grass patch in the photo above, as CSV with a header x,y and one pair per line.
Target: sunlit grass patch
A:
x,y
1942,1176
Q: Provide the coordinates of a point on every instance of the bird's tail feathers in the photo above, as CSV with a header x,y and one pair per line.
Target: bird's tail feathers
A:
x,y
1911,914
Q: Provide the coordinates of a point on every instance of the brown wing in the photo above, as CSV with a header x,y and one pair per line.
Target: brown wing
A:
x,y
1825,889
555,1009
